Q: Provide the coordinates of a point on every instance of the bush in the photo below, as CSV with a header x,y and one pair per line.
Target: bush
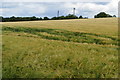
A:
x,y
46,18
102,15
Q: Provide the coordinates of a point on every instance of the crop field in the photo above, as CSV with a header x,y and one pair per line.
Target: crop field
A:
x,y
78,48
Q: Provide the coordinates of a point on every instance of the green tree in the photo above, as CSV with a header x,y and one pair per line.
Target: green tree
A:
x,y
114,15
46,18
71,16
80,17
102,15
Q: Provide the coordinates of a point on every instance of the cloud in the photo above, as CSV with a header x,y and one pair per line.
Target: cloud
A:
x,y
23,9
0,12
49,9
90,9
56,0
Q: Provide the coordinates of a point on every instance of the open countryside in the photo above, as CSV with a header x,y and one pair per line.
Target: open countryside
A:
x,y
72,48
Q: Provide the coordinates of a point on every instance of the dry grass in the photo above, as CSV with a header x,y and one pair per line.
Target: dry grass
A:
x,y
30,53
107,26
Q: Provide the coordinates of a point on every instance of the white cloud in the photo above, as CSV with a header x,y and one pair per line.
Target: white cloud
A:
x,y
24,9
0,12
34,8
56,1
113,6
90,9
49,9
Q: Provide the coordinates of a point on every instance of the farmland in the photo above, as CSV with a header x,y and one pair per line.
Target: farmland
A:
x,y
78,48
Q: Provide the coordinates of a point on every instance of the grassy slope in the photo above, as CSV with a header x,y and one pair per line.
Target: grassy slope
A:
x,y
108,26
28,55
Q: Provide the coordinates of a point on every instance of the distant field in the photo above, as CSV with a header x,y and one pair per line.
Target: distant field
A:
x,y
80,48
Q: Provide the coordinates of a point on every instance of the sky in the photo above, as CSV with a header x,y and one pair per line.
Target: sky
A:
x,y
49,8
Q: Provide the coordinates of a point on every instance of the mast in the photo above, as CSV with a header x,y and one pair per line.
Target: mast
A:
x,y
73,11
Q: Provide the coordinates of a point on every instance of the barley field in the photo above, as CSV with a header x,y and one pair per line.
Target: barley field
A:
x,y
78,48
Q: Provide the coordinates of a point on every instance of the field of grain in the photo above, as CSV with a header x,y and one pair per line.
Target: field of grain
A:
x,y
79,48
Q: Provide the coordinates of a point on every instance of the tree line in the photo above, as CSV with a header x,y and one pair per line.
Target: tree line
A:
x,y
33,18
69,16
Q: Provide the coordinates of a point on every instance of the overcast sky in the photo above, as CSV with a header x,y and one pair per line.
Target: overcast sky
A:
x,y
41,8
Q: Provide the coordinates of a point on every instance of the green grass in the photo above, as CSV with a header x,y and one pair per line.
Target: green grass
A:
x,y
54,52
64,35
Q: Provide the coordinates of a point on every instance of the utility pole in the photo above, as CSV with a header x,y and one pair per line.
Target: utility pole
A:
x,y
73,11
58,13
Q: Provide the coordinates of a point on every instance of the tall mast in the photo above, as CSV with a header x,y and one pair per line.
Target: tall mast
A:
x,y
58,13
73,11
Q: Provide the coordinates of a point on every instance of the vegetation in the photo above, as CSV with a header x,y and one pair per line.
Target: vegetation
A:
x,y
63,35
13,18
69,16
103,15
60,49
